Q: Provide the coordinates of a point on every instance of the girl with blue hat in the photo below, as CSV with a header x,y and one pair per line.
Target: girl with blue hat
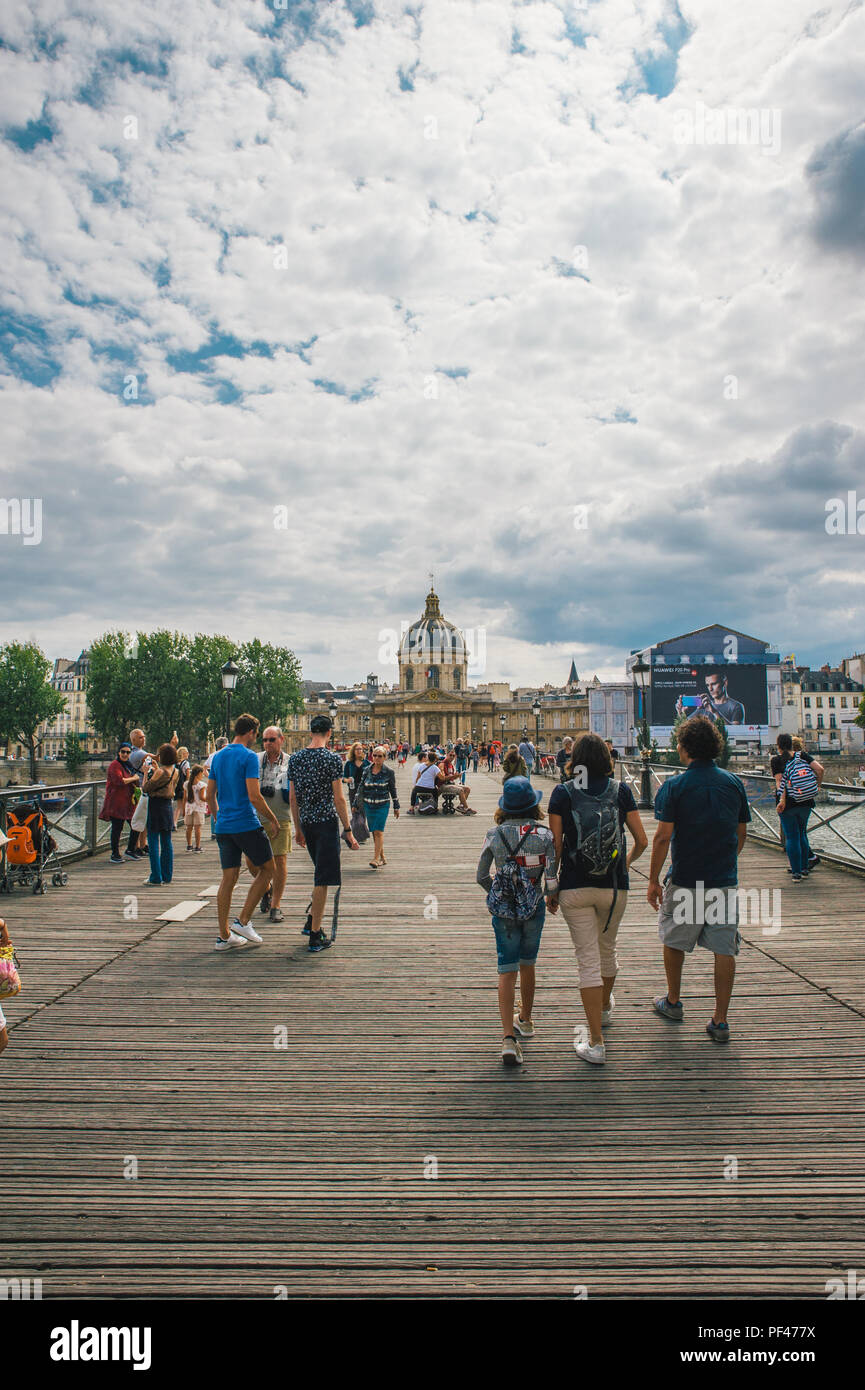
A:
x,y
524,854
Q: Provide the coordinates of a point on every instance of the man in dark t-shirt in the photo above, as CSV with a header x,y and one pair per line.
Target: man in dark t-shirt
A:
x,y
703,815
318,805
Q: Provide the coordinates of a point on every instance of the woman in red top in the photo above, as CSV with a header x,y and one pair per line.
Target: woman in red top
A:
x,y
118,805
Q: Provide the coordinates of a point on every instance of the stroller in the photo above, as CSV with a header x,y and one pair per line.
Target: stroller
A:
x,y
30,850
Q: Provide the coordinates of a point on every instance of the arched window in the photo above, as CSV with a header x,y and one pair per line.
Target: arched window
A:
x,y
457,674
432,676
409,679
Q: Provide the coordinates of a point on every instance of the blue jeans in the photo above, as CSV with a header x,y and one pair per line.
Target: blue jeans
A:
x,y
161,853
794,821
461,769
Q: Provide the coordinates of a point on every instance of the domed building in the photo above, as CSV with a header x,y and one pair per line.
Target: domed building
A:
x,y
432,701
432,653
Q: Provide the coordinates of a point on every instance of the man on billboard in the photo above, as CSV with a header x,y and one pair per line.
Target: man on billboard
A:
x,y
716,703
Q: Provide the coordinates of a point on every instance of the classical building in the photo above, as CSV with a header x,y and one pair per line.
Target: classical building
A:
x,y
70,679
433,702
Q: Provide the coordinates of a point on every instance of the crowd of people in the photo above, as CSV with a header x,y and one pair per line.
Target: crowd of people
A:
x,y
261,803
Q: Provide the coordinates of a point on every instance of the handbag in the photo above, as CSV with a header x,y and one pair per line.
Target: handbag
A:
x,y
359,827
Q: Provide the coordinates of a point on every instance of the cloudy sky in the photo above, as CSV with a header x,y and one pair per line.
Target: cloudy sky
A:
x,y
303,300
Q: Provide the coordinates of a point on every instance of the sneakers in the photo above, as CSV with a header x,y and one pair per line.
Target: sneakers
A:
x,y
264,905
116,859
607,1014
524,1027
319,942
591,1052
131,856
674,1011
277,914
247,932
512,1053
229,943
718,1032
813,861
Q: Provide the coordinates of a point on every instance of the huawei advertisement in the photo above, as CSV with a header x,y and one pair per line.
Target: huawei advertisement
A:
x,y
737,694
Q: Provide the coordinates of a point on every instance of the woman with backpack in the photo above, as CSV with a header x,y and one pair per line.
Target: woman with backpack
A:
x,y
523,852
588,813
797,784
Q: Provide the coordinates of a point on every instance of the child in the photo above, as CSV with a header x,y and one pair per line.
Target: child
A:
x,y
4,941
517,941
194,791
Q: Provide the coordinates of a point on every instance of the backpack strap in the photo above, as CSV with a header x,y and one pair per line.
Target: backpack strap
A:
x,y
512,854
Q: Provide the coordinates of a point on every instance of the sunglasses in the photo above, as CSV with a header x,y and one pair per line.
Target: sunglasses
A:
x,y
268,738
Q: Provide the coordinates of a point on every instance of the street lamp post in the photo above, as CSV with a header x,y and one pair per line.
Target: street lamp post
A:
x,y
332,711
228,674
502,721
536,711
641,669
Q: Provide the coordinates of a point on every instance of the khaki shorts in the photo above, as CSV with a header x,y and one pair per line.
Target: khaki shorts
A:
x,y
709,917
280,840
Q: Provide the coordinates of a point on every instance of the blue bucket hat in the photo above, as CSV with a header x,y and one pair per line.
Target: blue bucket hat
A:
x,y
518,794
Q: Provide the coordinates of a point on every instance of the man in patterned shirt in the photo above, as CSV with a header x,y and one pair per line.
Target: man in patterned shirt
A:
x,y
317,806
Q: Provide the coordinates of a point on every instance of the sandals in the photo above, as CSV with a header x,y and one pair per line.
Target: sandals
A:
x,y
373,863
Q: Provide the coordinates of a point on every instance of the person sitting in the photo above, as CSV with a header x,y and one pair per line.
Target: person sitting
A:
x,y
432,780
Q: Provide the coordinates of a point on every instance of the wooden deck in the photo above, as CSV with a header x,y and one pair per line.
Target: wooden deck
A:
x,y
303,1167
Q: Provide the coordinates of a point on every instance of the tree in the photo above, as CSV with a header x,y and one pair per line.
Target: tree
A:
x,y
113,701
672,755
860,717
269,682
26,695
73,754
162,680
206,657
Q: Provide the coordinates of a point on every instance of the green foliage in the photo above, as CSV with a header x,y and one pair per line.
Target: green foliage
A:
x,y
671,757
26,695
860,717
112,698
172,681
74,755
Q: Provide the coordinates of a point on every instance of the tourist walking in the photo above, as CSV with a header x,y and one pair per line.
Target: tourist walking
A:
x,y
491,757
375,793
797,787
787,746
118,805
194,804
356,765
702,817
527,753
587,820
234,797
474,756
139,760
461,753
160,781
514,764
523,852
274,788
317,807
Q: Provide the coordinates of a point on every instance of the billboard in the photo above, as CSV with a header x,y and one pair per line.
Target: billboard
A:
x,y
737,693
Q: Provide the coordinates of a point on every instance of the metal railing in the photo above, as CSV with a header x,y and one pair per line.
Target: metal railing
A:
x,y
837,801
71,811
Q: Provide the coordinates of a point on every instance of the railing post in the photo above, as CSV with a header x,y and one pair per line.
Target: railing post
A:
x,y
645,801
93,817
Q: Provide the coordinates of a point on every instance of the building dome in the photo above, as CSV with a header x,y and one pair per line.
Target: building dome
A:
x,y
432,640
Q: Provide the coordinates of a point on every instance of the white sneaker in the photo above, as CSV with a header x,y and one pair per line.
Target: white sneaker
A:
x,y
230,941
512,1053
524,1027
247,932
607,1014
591,1052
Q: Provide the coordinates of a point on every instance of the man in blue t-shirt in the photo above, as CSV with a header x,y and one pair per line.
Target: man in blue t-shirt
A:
x,y
703,815
234,794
